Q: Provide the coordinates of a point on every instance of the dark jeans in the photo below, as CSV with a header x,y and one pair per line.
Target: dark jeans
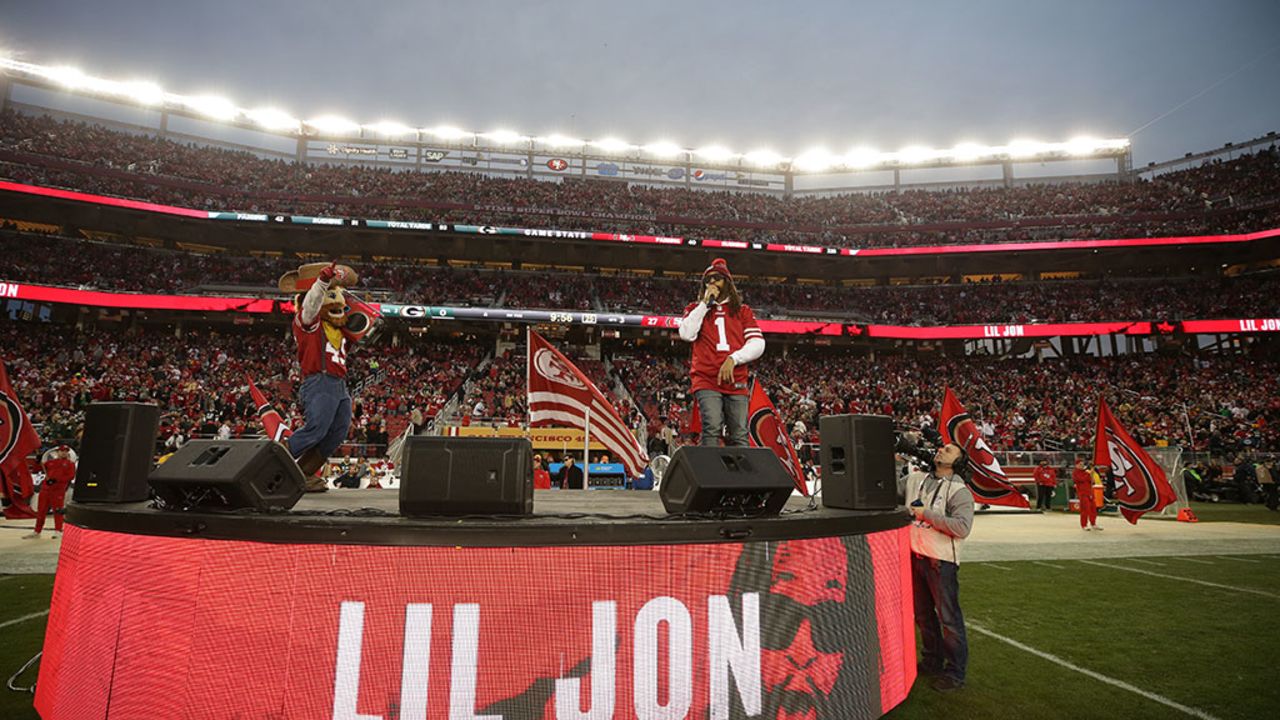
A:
x,y
327,409
1043,493
717,410
936,589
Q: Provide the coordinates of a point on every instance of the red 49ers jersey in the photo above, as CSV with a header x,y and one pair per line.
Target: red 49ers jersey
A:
x,y
315,354
721,333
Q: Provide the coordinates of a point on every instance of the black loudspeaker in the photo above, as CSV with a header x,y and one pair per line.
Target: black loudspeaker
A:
x,y
725,480
466,476
115,452
857,462
229,475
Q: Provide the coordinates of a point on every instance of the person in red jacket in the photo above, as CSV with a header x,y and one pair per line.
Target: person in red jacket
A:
x,y
59,470
541,478
1046,480
725,337
1083,480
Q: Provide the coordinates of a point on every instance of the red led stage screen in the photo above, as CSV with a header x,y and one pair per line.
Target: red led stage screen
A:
x,y
162,627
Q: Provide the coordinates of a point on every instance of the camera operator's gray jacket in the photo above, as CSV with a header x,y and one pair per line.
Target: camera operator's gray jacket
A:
x,y
948,515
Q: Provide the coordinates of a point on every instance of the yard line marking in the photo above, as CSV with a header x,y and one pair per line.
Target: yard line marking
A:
x,y
1194,712
1146,562
7,577
1185,579
991,565
1046,564
1202,562
1228,557
24,618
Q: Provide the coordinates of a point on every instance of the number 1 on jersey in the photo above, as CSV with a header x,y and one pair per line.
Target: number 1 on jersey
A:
x,y
723,345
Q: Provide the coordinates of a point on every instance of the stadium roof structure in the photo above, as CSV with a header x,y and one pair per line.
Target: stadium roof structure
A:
x,y
330,138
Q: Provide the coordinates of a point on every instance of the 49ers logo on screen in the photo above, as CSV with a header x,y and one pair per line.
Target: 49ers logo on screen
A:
x,y
558,164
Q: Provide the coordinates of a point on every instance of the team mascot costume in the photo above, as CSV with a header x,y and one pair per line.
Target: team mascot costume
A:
x,y
327,322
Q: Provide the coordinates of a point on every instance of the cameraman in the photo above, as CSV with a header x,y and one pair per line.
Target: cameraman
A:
x,y
941,507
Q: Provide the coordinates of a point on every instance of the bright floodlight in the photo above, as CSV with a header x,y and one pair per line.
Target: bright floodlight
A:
x,y
218,108
69,77
968,152
334,125
388,128
448,132
663,149
916,154
763,158
145,93
714,153
556,140
273,119
1025,148
503,137
814,160
613,145
862,157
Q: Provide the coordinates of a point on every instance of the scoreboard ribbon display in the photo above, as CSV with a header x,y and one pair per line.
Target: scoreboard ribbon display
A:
x,y
144,626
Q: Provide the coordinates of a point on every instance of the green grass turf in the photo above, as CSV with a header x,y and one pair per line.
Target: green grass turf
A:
x,y
1208,648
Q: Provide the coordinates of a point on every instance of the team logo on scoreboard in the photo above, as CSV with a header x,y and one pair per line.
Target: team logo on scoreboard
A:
x,y
558,164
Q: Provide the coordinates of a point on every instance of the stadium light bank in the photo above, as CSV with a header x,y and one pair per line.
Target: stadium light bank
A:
x,y
811,161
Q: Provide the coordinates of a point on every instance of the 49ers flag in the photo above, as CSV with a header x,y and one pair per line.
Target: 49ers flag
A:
x,y
17,440
560,395
765,429
986,478
1141,486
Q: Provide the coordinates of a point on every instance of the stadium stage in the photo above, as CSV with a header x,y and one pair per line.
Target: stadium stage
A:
x,y
596,606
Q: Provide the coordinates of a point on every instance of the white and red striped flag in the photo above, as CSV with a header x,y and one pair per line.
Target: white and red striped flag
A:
x,y
560,395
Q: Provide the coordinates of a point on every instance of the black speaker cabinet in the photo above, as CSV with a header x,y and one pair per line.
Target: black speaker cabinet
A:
x,y
857,462
115,452
725,480
466,476
229,475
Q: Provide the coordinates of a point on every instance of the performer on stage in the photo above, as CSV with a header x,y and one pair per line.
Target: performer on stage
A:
x,y
325,326
725,338
59,465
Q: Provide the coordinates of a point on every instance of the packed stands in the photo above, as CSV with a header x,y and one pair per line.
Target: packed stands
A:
x,y
1223,197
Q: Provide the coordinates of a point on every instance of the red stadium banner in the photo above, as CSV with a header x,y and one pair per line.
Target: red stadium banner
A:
x,y
985,477
561,395
136,301
1245,325
189,627
1141,485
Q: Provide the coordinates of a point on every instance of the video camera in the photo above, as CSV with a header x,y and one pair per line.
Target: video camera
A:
x,y
912,443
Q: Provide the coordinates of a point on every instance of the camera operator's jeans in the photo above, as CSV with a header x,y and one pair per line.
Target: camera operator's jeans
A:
x,y
936,591
719,410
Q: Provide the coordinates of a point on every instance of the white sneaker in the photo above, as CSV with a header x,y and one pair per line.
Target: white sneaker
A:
x,y
1085,528
1095,527
31,536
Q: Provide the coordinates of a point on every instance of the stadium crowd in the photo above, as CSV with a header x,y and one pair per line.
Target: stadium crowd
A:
x,y
1231,196
198,377
51,260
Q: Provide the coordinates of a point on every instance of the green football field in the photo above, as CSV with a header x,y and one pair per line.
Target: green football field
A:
x,y
1150,637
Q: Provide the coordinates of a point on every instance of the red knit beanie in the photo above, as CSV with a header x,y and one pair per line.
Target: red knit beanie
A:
x,y
718,266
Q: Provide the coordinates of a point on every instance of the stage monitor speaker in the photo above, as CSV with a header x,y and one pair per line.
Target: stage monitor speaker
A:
x,y
229,475
115,452
857,462
466,476
742,480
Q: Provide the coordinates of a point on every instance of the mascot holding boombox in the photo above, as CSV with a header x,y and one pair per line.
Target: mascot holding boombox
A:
x,y
327,322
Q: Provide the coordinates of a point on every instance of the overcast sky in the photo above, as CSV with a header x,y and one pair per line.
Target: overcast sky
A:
x,y
747,74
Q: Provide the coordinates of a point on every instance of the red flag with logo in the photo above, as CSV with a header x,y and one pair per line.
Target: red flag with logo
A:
x,y
1141,485
560,395
17,440
272,422
765,429
986,479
